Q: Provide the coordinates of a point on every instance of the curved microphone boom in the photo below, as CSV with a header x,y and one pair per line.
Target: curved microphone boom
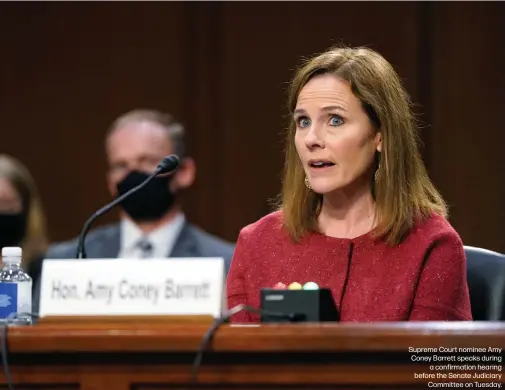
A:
x,y
167,165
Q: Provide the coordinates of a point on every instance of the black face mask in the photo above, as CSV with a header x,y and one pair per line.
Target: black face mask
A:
x,y
12,229
149,203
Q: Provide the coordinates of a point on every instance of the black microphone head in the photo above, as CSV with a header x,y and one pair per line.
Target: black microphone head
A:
x,y
168,164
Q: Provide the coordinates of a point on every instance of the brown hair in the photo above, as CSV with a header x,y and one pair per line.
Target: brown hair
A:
x,y
166,121
35,240
403,192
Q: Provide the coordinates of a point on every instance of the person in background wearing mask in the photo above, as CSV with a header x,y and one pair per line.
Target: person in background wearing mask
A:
x,y
152,222
22,220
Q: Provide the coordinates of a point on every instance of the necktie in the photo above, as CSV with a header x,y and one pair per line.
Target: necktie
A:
x,y
146,248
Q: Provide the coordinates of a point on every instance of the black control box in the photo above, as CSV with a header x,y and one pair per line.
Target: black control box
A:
x,y
306,305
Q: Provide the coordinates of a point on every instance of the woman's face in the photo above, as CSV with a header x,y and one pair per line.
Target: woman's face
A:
x,y
10,201
334,138
12,218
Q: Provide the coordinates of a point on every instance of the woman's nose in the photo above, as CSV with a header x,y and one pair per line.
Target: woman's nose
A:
x,y
314,138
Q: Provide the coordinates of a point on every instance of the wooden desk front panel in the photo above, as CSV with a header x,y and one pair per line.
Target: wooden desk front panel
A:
x,y
140,357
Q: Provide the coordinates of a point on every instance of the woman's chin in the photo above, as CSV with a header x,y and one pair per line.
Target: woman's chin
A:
x,y
324,188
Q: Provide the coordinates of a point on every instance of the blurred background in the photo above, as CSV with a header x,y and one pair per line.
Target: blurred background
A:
x,y
67,70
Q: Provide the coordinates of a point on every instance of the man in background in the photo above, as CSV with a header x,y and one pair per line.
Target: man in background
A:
x,y
152,222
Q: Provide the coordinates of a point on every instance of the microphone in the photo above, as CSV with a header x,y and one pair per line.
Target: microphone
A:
x,y
168,164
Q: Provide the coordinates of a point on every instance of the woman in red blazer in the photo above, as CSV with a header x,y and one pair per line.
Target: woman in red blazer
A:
x,y
358,213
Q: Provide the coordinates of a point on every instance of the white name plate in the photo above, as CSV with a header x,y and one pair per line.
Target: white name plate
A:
x,y
113,287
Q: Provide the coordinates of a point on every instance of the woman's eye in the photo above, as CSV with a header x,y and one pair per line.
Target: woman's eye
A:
x,y
336,120
303,122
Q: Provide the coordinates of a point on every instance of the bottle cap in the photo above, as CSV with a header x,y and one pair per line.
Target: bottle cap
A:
x,y
11,254
12,251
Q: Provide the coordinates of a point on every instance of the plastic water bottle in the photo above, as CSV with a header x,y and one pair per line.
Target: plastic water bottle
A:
x,y
15,287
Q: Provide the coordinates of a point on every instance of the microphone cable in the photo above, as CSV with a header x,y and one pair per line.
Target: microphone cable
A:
x,y
5,346
218,322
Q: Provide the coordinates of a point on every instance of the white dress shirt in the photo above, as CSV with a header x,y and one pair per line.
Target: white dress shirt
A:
x,y
162,239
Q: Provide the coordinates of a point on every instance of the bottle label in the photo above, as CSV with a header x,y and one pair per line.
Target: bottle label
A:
x,y
25,297
8,299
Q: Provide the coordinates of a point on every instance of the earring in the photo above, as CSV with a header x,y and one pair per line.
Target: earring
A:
x,y
307,183
376,175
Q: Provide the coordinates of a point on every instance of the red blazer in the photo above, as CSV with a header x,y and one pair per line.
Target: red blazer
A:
x,y
423,278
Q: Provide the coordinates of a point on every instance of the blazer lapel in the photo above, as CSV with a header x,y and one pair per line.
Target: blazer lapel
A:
x,y
186,244
108,245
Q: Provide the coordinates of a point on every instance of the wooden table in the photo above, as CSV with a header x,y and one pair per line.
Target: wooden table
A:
x,y
144,355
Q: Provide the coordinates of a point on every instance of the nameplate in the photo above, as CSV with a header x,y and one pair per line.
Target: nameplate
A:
x,y
125,287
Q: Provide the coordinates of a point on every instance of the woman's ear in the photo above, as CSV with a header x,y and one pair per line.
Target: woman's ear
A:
x,y
378,141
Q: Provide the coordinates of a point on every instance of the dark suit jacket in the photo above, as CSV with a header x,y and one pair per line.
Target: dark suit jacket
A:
x,y
104,242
